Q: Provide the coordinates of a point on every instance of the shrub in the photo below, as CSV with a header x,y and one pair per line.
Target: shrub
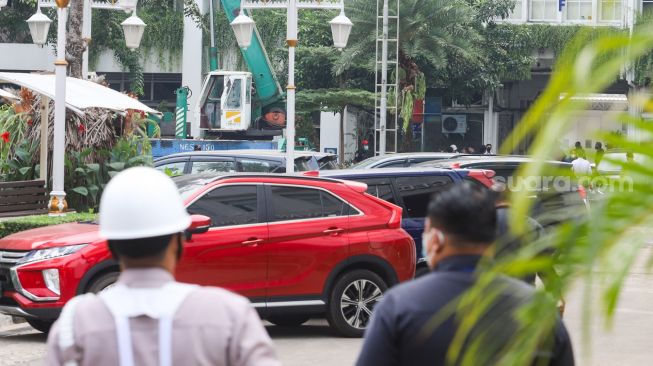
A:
x,y
12,226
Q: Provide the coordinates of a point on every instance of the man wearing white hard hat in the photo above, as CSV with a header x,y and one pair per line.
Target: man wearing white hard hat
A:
x,y
148,318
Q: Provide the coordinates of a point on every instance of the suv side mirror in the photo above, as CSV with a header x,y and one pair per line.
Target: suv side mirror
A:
x,y
199,224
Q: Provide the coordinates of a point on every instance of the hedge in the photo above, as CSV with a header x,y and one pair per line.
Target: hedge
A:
x,y
11,226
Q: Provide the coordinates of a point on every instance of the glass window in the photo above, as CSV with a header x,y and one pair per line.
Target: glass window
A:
x,y
517,11
258,166
294,203
610,10
173,169
382,191
394,164
332,206
579,9
647,7
228,206
297,203
233,99
417,191
248,90
544,10
213,166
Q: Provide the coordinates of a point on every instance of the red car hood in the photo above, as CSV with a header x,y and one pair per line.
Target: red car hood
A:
x,y
51,236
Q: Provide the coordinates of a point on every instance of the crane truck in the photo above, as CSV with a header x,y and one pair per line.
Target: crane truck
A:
x,y
241,104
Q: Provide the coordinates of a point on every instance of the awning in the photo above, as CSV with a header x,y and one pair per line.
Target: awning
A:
x,y
7,95
602,102
80,94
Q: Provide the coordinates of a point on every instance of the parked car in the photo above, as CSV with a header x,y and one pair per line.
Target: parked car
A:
x,y
297,247
401,160
556,194
258,161
411,189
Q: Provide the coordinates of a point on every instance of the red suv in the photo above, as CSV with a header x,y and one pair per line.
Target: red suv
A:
x,y
297,247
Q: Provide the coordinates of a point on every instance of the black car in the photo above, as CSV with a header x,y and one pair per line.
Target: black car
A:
x,y
256,161
411,189
555,192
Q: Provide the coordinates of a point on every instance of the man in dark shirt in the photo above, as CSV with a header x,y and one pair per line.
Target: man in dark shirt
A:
x,y
459,229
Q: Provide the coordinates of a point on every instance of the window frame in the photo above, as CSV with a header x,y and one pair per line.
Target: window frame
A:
x,y
261,203
542,20
184,160
270,207
599,10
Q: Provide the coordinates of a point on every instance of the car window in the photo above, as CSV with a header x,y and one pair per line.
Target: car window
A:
x,y
173,169
258,166
212,166
296,203
382,191
393,164
229,205
233,99
417,191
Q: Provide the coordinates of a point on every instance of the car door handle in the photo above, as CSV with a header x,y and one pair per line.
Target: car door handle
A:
x,y
333,230
252,242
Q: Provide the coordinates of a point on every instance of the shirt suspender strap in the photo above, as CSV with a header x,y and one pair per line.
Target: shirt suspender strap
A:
x,y
123,332
67,327
165,341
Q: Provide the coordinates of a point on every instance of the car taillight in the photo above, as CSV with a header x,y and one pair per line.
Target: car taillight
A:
x,y
488,173
395,219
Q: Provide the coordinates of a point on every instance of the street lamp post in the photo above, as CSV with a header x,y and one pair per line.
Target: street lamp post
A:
x,y
243,26
39,24
89,5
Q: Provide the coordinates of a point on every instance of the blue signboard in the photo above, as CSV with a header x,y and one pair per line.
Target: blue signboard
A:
x,y
163,147
561,4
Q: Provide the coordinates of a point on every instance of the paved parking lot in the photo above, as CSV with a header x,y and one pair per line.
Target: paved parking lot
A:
x,y
628,344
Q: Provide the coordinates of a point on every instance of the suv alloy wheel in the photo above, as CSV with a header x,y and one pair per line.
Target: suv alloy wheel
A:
x,y
352,300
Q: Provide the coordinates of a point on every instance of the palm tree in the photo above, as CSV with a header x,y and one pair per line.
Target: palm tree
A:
x,y
430,32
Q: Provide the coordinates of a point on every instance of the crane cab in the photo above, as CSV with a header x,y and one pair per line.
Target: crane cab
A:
x,y
225,104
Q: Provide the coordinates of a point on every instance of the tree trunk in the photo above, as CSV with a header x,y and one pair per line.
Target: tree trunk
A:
x,y
75,44
407,83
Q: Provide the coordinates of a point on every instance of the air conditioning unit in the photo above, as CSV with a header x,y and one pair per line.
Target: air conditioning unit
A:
x,y
454,123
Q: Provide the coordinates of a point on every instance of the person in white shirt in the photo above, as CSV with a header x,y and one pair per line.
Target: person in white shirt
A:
x,y
581,166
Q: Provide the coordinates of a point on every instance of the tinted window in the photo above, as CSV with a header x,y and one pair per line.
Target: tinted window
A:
x,y
296,203
173,169
260,166
382,191
417,191
394,164
213,166
230,205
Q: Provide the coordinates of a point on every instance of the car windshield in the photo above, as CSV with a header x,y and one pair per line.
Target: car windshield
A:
x,y
367,162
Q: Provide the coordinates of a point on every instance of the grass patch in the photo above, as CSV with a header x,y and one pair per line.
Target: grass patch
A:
x,y
31,222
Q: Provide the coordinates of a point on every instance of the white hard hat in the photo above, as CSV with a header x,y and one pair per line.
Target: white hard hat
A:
x,y
454,147
141,203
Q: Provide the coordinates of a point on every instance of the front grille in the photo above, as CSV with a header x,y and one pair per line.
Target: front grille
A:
x,y
8,259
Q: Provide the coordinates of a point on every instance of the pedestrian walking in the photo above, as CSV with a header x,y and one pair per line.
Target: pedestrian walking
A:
x,y
147,318
459,229
598,156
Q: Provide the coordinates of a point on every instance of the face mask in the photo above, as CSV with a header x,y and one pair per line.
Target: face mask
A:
x,y
426,238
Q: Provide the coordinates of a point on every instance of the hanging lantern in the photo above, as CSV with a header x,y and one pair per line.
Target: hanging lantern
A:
x,y
128,5
243,27
340,29
3,3
39,25
133,27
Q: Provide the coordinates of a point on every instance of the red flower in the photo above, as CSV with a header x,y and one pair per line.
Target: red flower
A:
x,y
81,128
30,121
5,137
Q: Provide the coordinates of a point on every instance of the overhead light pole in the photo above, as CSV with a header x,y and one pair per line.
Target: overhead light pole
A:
x,y
243,27
124,5
39,25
